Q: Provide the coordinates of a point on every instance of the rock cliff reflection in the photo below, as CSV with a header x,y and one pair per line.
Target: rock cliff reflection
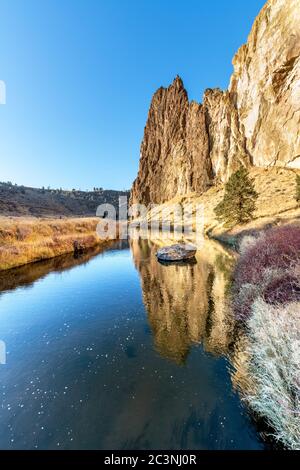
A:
x,y
104,354
186,302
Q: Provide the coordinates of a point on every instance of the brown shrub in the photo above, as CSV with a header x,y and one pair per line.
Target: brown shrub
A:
x,y
268,262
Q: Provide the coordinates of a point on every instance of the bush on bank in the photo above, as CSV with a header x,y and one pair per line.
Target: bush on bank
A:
x,y
266,298
274,256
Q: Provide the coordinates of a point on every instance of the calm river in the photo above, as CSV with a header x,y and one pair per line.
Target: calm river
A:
x,y
116,351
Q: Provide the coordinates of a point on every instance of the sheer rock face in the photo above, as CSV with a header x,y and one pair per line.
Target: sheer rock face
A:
x,y
226,140
175,149
189,146
265,86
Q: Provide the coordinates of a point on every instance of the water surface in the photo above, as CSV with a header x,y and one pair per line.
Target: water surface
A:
x,y
116,351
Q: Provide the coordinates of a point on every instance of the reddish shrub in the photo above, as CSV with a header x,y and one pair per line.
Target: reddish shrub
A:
x,y
277,250
282,290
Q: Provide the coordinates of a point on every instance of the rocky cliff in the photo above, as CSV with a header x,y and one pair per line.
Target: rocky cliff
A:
x,y
188,146
175,148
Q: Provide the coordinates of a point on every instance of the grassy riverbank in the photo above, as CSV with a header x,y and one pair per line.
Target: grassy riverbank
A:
x,y
266,300
27,239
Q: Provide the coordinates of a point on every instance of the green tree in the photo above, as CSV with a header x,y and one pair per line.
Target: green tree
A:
x,y
298,188
239,199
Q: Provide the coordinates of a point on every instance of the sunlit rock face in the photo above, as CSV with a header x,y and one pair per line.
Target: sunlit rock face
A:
x,y
175,149
265,86
227,142
189,146
186,302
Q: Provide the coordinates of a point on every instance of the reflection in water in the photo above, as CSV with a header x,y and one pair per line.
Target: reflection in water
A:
x,y
241,379
82,372
26,275
186,302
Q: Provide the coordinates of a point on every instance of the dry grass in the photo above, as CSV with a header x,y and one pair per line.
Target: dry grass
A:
x,y
266,297
27,274
24,240
274,365
276,203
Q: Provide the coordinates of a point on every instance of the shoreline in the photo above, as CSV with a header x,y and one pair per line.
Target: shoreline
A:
x,y
27,240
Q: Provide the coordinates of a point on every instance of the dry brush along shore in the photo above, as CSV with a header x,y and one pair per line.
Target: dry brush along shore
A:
x,y
26,240
266,301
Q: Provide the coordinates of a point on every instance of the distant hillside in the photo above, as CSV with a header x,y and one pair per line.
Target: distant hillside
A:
x,y
25,201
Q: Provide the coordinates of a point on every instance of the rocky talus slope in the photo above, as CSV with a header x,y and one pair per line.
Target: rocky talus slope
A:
x,y
188,147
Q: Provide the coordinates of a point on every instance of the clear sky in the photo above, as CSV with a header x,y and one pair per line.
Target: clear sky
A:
x,y
80,75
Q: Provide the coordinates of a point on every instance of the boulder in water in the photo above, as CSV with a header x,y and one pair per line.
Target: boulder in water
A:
x,y
177,252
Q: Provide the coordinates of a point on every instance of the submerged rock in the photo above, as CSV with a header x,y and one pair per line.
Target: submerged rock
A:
x,y
177,252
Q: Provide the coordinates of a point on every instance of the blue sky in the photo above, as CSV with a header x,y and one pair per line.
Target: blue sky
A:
x,y
80,75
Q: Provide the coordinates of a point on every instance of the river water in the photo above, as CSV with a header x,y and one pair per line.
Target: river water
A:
x,y
114,350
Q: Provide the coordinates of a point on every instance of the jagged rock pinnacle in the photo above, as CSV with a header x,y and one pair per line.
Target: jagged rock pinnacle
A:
x,y
188,146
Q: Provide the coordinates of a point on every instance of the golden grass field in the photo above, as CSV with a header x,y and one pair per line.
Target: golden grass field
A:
x,y
28,239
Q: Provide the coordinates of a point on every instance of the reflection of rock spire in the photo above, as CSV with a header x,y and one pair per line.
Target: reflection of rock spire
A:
x,y
183,302
220,320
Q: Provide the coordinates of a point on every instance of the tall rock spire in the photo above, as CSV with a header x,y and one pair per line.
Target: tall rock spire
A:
x,y
174,151
188,146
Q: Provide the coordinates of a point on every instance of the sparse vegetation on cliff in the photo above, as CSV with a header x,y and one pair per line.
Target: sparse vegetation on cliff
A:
x,y
187,146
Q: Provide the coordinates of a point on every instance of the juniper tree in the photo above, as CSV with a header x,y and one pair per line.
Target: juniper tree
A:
x,y
297,188
239,199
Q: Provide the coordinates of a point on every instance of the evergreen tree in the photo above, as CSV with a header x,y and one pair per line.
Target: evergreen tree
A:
x,y
238,204
298,188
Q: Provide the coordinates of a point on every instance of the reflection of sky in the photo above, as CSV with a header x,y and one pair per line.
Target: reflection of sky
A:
x,y
82,372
